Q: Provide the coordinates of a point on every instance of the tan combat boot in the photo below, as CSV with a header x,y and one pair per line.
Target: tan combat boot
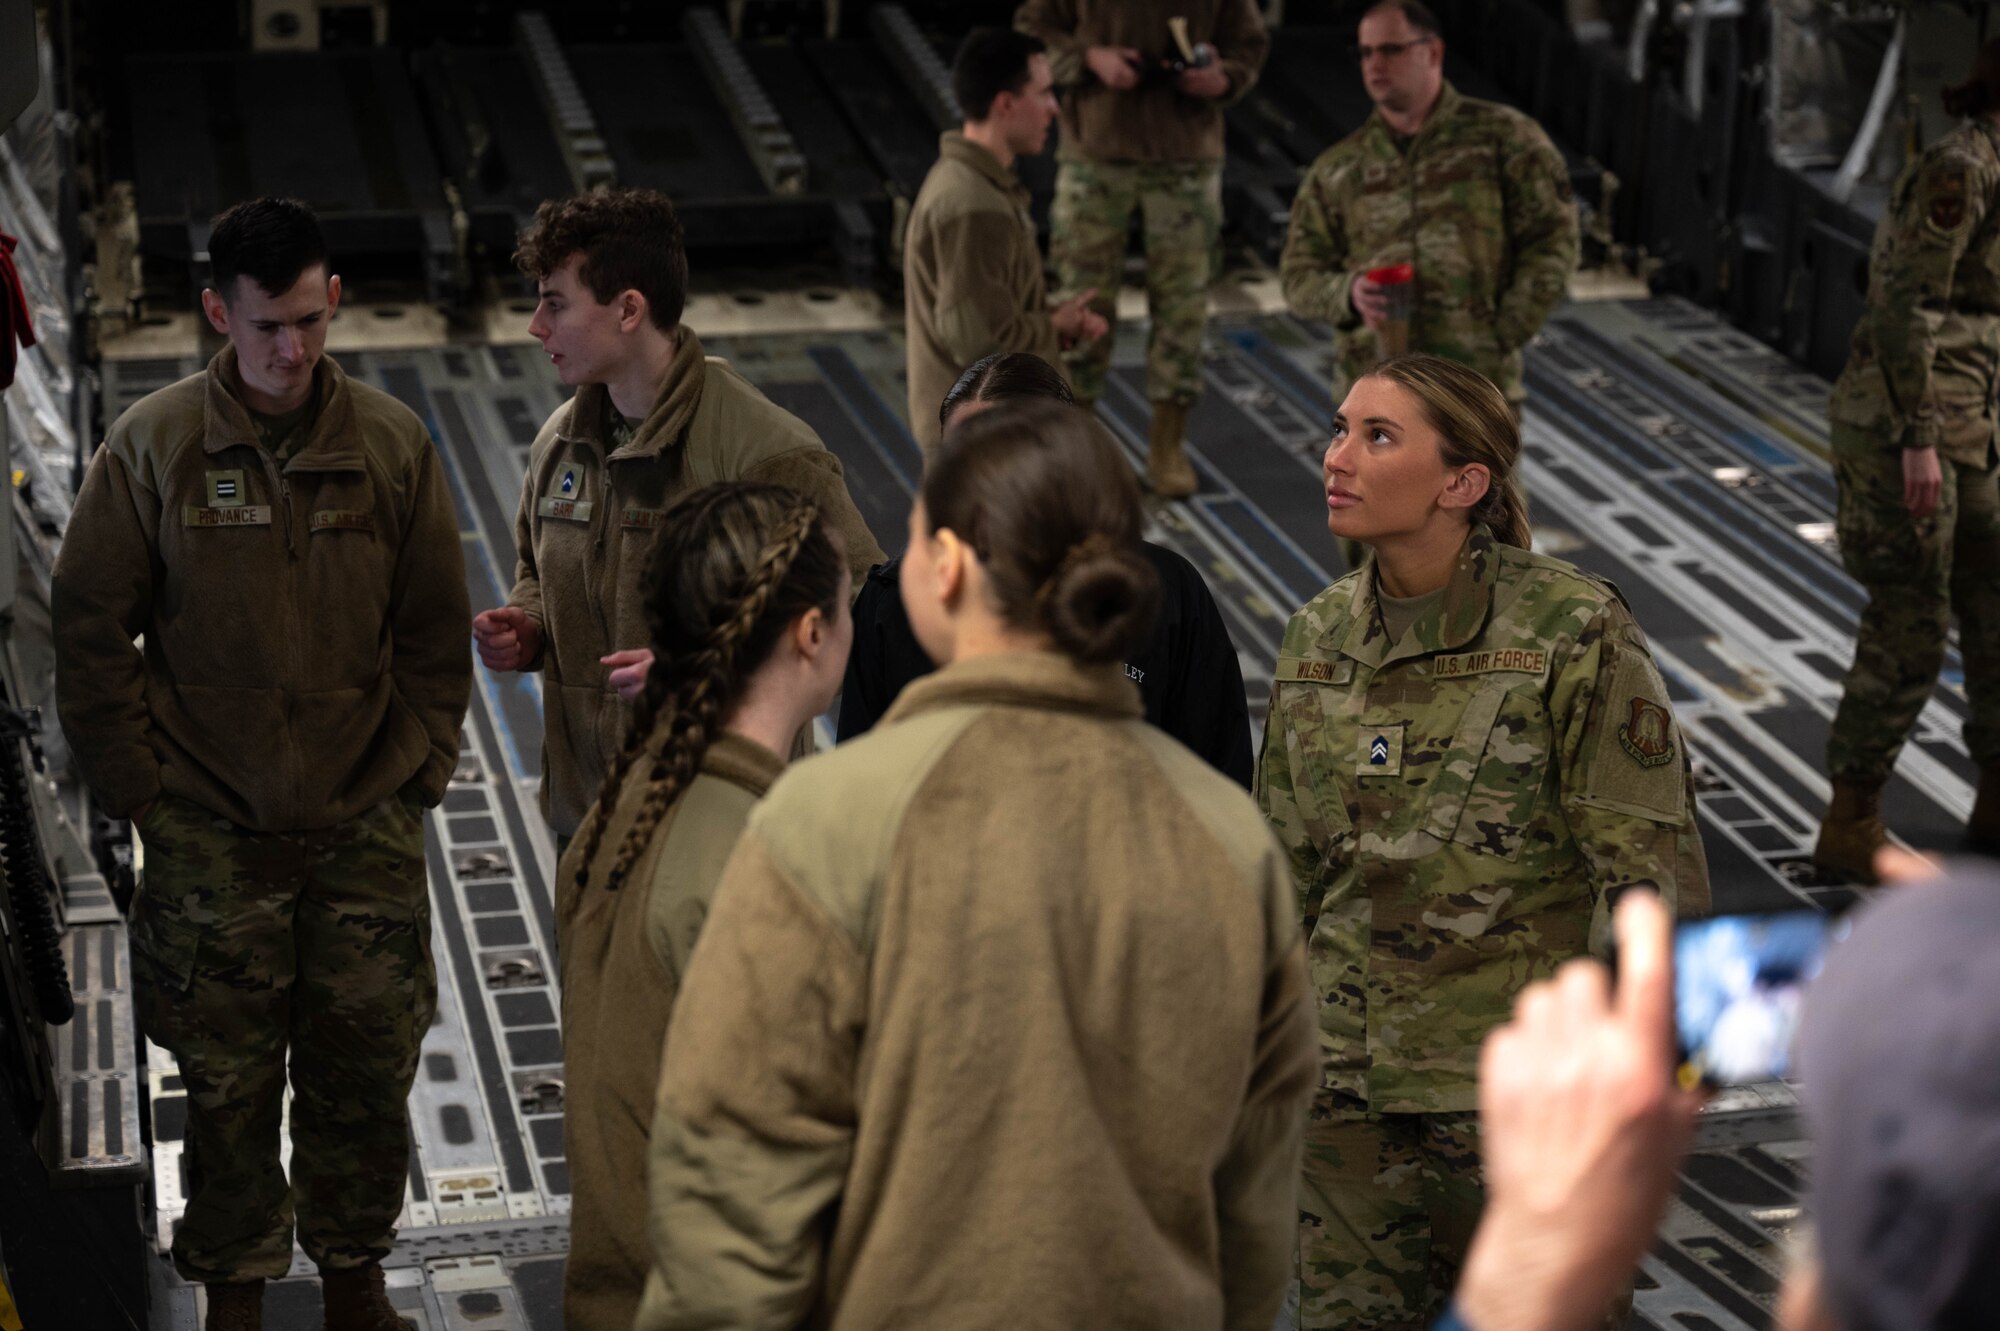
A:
x,y
1852,830
1982,829
357,1301
1167,466
235,1307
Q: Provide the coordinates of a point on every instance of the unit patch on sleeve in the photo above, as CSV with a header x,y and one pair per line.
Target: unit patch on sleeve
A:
x,y
1648,734
1947,210
1633,760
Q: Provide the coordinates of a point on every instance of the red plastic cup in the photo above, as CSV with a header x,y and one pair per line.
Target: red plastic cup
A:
x,y
1398,283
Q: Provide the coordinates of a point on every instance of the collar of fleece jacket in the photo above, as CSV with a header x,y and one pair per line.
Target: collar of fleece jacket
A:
x,y
1024,679
666,423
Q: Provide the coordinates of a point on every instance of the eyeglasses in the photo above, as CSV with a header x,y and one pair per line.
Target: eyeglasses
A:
x,y
1388,50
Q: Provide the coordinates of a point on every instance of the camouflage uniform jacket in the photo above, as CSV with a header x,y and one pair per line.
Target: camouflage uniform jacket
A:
x,y
1924,364
584,535
1156,121
1479,201
1457,806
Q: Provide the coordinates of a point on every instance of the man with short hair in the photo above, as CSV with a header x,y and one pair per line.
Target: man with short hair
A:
x,y
1144,84
1470,193
972,270
652,419
283,541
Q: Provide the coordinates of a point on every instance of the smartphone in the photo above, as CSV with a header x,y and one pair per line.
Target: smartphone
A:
x,y
1739,988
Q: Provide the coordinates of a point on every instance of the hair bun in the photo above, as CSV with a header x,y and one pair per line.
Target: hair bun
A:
x,y
1100,603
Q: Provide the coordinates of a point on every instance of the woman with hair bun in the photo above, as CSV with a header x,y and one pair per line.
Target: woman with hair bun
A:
x,y
1469,752
746,612
1190,680
1000,1018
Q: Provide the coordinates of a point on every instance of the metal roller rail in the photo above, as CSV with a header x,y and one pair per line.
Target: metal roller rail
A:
x,y
749,108
918,61
577,134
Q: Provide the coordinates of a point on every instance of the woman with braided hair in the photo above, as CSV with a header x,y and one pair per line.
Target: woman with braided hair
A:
x,y
1000,1018
746,612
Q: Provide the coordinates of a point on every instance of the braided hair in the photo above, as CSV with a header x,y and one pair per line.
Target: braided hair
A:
x,y
735,565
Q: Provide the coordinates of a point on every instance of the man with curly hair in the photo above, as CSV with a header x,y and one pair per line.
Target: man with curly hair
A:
x,y
652,419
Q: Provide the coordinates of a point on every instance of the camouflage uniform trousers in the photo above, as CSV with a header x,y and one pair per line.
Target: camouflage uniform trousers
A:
x,y
246,944
1387,1206
1917,574
1180,210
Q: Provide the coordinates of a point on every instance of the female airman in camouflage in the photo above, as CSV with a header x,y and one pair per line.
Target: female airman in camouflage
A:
x,y
1469,751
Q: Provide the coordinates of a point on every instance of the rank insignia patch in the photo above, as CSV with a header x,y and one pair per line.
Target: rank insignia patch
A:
x,y
566,487
225,488
1648,734
1378,751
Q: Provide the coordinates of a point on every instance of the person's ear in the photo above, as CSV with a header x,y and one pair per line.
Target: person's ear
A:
x,y
332,294
217,310
1467,487
632,310
809,633
950,555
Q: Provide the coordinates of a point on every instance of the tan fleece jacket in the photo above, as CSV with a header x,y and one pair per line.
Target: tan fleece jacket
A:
x,y
623,953
1000,1019
584,535
307,637
1155,122
972,276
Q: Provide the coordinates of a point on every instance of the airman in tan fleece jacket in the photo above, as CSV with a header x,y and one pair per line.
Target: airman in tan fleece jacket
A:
x,y
1000,1019
583,533
623,955
305,624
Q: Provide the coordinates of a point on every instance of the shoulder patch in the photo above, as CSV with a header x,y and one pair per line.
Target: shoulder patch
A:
x,y
1648,734
1635,762
1946,209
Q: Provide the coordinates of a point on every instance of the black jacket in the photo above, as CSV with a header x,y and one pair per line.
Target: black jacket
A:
x,y
1188,675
